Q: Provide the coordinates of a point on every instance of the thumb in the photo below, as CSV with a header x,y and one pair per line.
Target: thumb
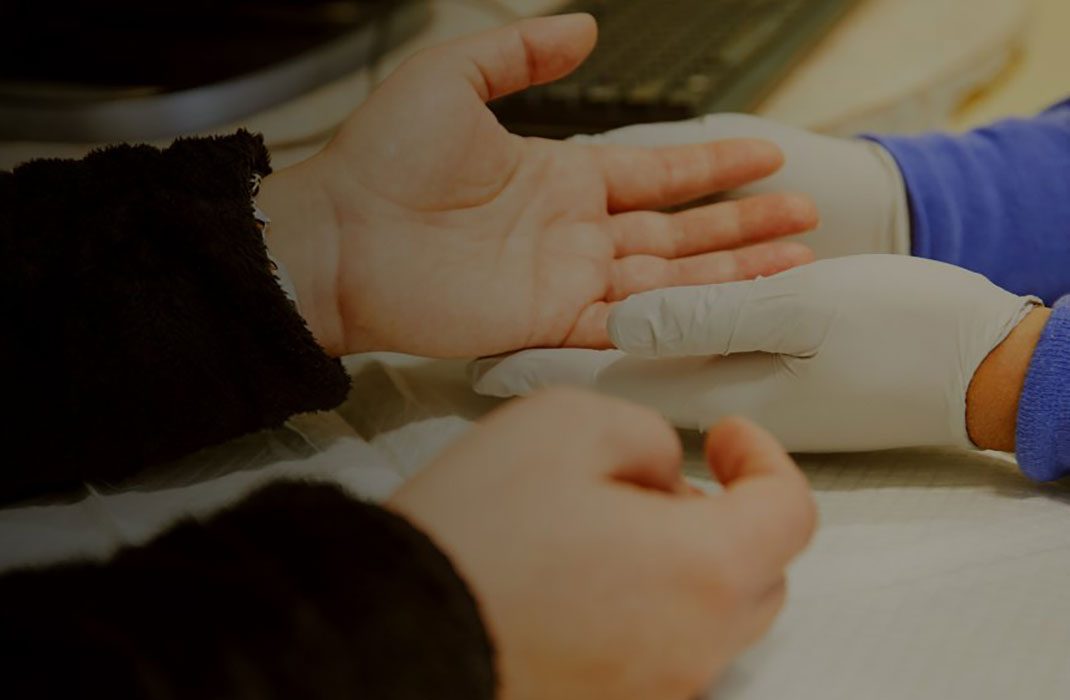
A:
x,y
509,59
584,432
766,496
774,315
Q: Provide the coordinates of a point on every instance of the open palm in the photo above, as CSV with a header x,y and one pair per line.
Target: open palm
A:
x,y
457,238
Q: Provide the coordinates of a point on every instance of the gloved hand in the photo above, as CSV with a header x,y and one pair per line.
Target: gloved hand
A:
x,y
860,353
856,184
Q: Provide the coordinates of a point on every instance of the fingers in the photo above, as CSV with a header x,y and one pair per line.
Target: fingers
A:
x,y
654,178
641,273
766,502
628,441
509,59
721,226
591,329
609,437
775,315
741,541
643,327
648,453
764,612
765,259
709,127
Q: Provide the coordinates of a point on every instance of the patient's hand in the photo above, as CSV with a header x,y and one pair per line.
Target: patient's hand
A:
x,y
857,353
426,227
598,572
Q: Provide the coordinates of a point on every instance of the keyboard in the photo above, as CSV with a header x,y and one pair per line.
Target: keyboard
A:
x,y
664,60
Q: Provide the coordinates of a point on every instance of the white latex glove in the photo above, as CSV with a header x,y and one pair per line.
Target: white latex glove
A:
x,y
856,184
861,353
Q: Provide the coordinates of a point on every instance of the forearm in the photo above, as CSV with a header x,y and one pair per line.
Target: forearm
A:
x,y
299,591
995,200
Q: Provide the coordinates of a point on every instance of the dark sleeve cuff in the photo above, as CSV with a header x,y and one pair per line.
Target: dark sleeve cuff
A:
x,y
142,318
299,591
1043,427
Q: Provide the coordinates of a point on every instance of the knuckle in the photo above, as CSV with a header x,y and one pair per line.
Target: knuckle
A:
x,y
722,574
733,587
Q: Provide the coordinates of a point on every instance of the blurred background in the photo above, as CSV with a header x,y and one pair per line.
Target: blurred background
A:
x,y
76,75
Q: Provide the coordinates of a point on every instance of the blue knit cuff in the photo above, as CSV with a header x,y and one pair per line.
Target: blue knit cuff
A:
x,y
1043,434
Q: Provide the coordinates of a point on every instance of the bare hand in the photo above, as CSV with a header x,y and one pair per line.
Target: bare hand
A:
x,y
598,571
426,227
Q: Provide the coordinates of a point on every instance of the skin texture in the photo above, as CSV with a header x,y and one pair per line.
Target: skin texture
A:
x,y
599,572
992,400
425,227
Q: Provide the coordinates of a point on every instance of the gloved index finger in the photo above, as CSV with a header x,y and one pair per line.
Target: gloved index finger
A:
x,y
764,315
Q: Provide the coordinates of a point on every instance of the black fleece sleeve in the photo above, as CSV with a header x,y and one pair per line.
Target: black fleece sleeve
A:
x,y
141,318
300,592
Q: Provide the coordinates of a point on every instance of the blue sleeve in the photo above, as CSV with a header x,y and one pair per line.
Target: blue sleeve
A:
x,y
1043,429
995,200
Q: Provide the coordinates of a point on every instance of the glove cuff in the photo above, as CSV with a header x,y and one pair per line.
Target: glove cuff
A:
x,y
1043,431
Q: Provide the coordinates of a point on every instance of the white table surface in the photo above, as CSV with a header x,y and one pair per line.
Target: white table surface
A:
x,y
935,574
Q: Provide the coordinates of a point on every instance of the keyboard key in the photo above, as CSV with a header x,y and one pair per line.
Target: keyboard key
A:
x,y
603,94
564,91
748,43
647,93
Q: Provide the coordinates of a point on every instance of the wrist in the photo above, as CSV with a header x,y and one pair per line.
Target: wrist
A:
x,y
303,237
995,391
